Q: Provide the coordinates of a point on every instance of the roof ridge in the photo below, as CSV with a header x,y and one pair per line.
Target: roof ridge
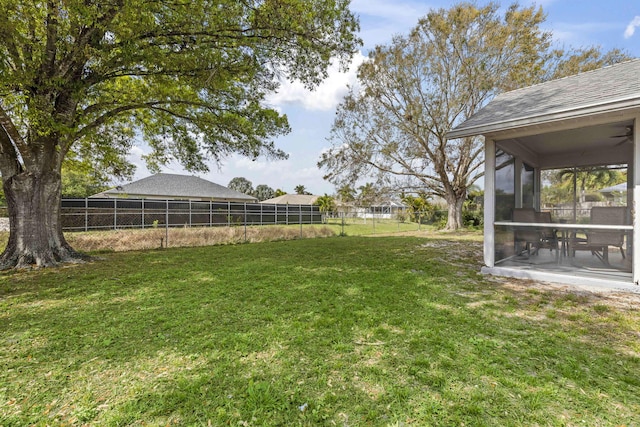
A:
x,y
173,174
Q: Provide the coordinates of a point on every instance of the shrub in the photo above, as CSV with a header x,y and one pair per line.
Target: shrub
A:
x,y
472,218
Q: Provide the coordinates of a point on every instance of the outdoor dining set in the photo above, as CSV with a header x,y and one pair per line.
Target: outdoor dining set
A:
x,y
608,228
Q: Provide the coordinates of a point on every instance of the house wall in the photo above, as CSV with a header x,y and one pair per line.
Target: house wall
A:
x,y
636,201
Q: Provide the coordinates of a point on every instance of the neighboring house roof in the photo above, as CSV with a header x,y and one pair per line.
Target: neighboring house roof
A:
x,y
390,203
292,199
619,187
172,186
605,90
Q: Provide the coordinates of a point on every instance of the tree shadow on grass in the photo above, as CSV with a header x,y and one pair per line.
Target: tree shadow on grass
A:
x,y
411,335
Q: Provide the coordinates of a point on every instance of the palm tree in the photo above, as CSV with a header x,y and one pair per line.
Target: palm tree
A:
x,y
368,194
326,204
347,193
300,189
588,179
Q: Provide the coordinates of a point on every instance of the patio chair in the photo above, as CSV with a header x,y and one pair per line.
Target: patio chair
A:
x,y
534,239
598,241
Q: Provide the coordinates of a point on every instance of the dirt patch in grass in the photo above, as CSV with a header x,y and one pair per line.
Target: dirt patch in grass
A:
x,y
449,236
587,295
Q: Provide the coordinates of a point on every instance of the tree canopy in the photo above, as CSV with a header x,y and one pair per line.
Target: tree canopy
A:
x,y
80,179
241,185
575,184
188,78
264,192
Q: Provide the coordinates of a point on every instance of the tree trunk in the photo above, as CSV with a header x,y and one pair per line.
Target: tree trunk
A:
x,y
454,219
35,236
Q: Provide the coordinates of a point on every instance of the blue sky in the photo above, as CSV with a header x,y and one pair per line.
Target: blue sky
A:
x,y
574,23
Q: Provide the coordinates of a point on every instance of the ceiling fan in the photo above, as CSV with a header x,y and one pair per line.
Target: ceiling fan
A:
x,y
627,135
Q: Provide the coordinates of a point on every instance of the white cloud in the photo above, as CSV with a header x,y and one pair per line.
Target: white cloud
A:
x,y
382,19
282,174
631,28
135,157
326,96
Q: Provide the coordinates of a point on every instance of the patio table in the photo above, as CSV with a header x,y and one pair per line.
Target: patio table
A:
x,y
564,229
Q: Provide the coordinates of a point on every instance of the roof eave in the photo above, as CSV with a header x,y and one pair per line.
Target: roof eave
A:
x,y
556,116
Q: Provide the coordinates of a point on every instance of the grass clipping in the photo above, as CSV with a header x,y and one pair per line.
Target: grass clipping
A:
x,y
131,240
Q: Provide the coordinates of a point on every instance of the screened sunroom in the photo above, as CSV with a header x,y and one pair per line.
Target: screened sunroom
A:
x,y
562,166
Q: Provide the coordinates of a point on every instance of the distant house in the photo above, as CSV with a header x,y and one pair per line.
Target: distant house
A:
x,y
388,209
616,195
175,187
292,199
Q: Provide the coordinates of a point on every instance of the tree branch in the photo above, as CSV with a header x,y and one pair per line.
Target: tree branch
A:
x,y
72,64
47,66
101,120
7,39
9,159
12,133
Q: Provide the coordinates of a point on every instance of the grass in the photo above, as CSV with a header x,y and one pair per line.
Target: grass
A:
x,y
356,331
362,227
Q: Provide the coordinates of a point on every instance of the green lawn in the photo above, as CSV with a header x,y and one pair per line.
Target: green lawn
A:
x,y
361,226
354,331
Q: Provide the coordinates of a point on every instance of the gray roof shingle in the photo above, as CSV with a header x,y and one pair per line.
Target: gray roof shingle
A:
x,y
611,88
164,185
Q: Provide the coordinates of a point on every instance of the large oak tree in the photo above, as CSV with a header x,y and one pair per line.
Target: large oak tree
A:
x,y
392,126
90,77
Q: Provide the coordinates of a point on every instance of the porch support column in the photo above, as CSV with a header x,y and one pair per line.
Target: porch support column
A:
x,y
636,202
489,201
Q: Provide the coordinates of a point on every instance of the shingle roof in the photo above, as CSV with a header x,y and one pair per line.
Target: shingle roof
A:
x,y
612,88
164,185
292,199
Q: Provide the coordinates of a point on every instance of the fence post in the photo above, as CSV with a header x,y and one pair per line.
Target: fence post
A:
x,y
228,214
142,201
261,214
300,210
210,213
189,212
275,218
166,224
287,214
245,221
115,214
86,214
